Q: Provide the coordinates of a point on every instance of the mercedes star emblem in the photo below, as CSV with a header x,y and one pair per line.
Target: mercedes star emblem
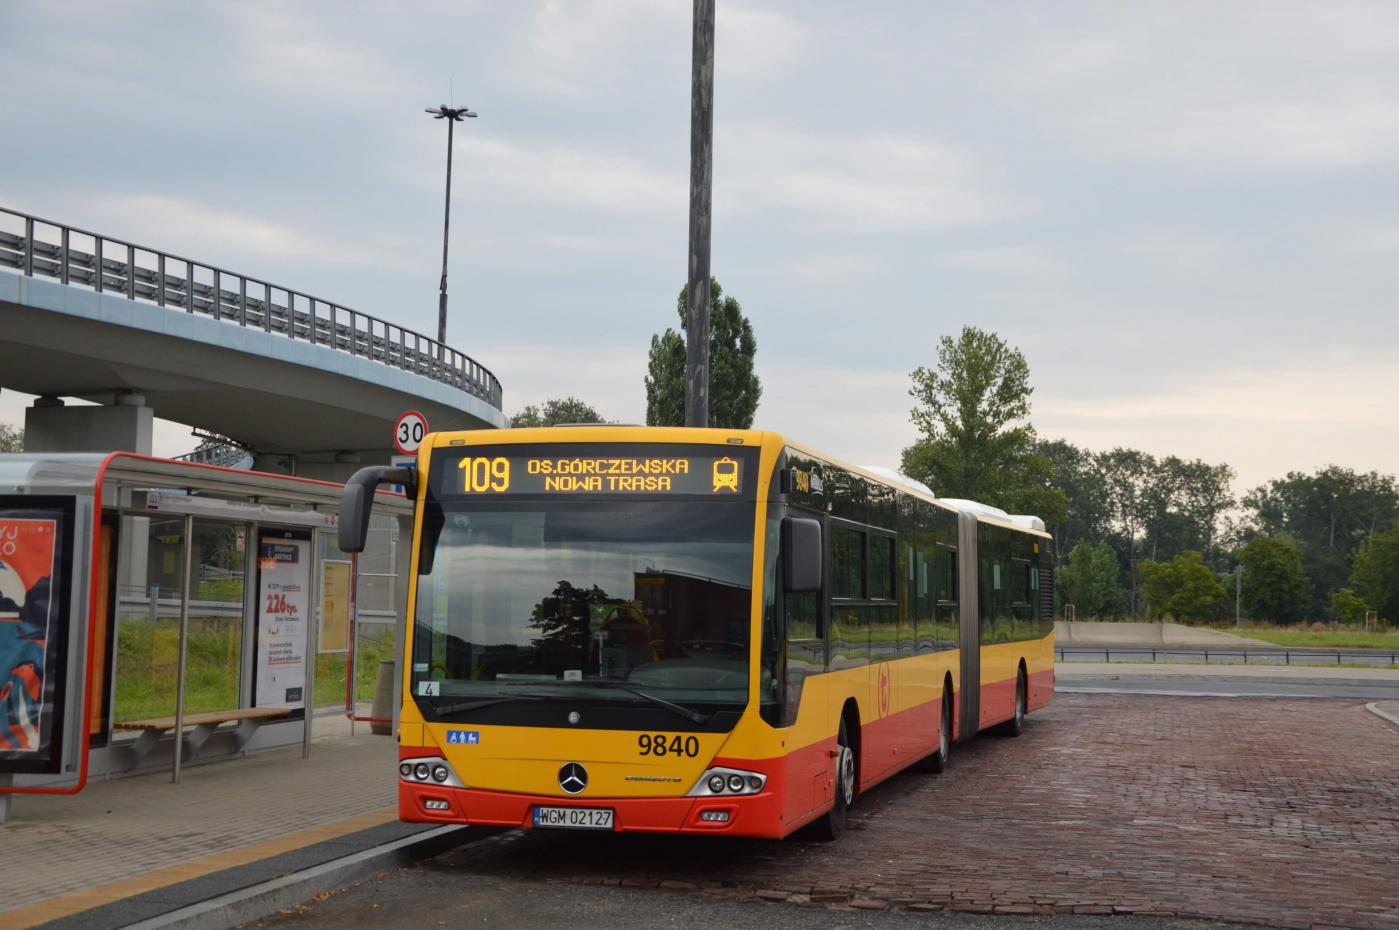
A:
x,y
574,717
573,778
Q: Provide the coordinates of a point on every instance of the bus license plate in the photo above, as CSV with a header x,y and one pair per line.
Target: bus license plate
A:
x,y
576,818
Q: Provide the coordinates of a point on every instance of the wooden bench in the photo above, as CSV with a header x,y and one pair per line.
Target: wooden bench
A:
x,y
248,720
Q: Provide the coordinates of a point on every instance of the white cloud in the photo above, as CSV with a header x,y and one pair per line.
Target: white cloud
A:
x,y
752,43
1264,422
580,50
1377,240
834,267
868,183
812,402
499,171
1027,262
288,48
1270,86
206,232
1179,253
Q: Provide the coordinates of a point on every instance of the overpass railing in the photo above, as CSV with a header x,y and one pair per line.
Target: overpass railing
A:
x,y
40,247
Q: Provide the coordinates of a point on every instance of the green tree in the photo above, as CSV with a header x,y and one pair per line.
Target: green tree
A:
x,y
1089,580
1183,503
1376,572
556,413
665,380
1184,588
1275,584
1347,608
1329,514
734,387
977,441
1072,471
11,438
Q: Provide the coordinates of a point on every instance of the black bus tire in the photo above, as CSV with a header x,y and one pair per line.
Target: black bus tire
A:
x,y
936,763
832,823
1016,724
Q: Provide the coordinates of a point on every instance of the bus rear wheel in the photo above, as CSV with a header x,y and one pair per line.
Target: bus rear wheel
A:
x,y
832,824
1016,725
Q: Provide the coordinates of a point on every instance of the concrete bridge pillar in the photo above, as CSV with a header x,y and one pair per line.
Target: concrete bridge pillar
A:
x,y
51,426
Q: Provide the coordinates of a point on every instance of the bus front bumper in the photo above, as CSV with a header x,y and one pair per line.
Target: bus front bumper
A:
x,y
755,815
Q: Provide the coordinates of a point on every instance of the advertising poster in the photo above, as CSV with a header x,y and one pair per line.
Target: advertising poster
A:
x,y
283,620
31,575
335,607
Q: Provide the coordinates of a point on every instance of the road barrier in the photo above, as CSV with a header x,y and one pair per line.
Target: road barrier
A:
x,y
1279,656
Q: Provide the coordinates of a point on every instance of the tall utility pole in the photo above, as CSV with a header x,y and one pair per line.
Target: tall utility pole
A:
x,y
701,178
451,116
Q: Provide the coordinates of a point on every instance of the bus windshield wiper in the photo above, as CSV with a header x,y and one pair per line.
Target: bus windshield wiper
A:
x,y
474,705
693,716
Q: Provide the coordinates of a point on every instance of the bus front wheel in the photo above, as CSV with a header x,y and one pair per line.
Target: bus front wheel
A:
x,y
832,823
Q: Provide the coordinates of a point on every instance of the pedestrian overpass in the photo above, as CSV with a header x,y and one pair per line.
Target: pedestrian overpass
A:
x,y
306,386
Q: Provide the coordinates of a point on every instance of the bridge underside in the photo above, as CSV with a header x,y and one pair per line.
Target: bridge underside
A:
x,y
276,395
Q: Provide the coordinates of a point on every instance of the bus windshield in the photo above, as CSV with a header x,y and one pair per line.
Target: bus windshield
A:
x,y
538,600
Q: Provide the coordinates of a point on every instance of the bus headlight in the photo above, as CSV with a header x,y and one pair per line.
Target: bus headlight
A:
x,y
728,782
431,771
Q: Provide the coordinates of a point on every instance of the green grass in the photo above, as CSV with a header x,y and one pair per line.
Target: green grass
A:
x,y
148,665
148,662
330,671
1348,639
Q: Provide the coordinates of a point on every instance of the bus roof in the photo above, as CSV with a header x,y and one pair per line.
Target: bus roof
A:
x,y
616,432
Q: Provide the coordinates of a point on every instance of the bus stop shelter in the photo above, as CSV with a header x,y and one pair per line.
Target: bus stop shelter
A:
x,y
157,613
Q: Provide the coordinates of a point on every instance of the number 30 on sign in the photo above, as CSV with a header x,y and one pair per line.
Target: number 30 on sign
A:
x,y
409,431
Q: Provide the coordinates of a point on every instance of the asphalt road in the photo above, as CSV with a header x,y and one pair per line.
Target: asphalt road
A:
x,y
429,896
1228,687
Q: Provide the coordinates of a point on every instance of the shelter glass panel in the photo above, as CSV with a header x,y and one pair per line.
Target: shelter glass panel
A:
x,y
150,576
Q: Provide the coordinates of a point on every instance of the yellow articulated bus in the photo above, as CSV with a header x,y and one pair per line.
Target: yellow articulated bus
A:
x,y
695,630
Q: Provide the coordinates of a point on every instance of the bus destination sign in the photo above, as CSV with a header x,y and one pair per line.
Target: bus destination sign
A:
x,y
476,474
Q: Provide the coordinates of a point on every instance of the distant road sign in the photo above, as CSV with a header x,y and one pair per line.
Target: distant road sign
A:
x,y
409,431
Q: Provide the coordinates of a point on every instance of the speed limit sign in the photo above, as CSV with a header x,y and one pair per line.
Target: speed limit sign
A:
x,y
409,431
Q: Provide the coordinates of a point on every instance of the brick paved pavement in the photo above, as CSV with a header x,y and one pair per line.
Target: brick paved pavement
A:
x,y
1276,811
125,836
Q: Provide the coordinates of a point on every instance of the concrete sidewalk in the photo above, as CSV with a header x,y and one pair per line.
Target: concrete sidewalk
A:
x,y
65,854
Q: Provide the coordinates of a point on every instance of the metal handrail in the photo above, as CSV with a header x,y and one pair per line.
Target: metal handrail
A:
x,y
235,298
1130,653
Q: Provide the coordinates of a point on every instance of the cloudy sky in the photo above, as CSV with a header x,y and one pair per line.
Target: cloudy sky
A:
x,y
1183,214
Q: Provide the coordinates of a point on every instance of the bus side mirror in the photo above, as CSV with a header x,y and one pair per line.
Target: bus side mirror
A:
x,y
801,554
358,499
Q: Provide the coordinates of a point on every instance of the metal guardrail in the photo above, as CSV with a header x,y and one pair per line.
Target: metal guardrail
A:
x,y
214,449
142,273
1277,656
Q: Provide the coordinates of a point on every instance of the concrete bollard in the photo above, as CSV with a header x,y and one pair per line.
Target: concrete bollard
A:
x,y
383,699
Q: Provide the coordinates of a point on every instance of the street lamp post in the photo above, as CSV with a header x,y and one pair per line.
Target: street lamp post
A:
x,y
451,115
